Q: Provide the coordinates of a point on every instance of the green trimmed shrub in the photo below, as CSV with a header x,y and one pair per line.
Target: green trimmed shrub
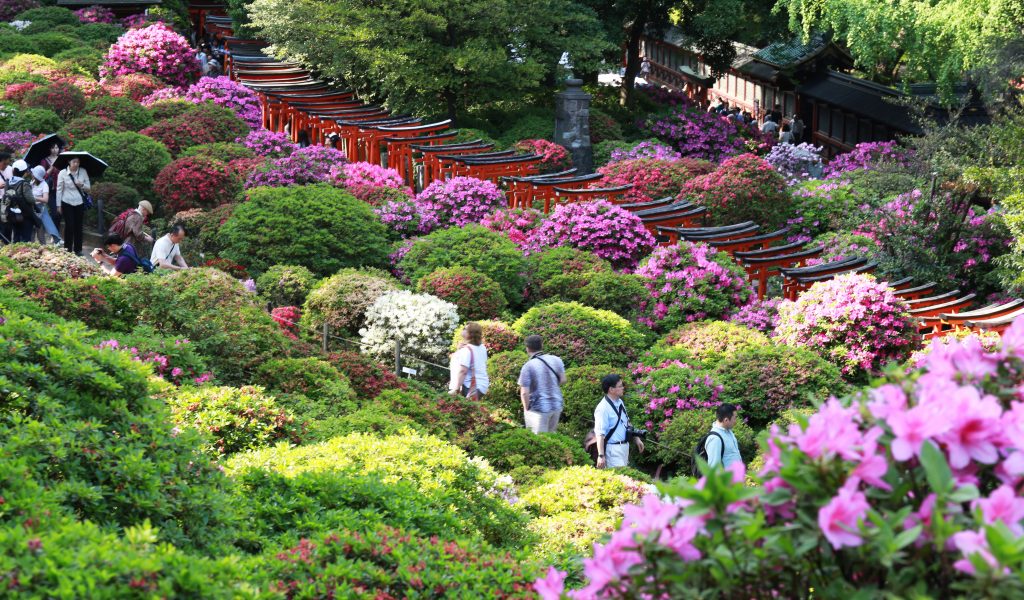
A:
x,y
316,226
707,342
561,272
676,443
63,402
580,396
342,299
476,295
764,381
47,17
134,159
15,44
309,388
170,108
83,128
373,419
436,470
498,337
222,151
618,292
580,334
472,246
517,447
503,370
100,34
51,44
36,120
129,114
236,418
285,285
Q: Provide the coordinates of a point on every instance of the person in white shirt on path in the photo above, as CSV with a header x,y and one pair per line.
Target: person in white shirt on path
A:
x,y
469,364
167,252
611,424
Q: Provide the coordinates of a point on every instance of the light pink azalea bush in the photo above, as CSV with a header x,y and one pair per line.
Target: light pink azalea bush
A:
x,y
222,91
610,232
909,489
268,144
689,282
364,180
460,200
853,321
156,50
517,223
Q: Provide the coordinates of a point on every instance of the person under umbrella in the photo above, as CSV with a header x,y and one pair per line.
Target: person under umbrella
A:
x,y
72,186
41,193
55,145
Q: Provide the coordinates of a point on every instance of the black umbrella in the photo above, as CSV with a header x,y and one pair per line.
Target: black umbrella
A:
x,y
92,165
40,149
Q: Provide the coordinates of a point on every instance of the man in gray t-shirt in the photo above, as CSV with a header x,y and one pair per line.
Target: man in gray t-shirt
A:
x,y
540,390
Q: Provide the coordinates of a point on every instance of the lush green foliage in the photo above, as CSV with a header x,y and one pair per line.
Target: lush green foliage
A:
x,y
517,447
124,111
580,334
707,342
341,300
476,295
310,388
134,159
236,418
316,226
285,285
580,395
678,441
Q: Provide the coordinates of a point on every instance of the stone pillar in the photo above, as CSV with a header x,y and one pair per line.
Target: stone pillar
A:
x,y
572,125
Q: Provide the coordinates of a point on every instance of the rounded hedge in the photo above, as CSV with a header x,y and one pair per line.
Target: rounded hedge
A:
x,y
124,111
236,418
765,381
311,388
286,285
580,334
519,447
498,337
317,226
51,44
503,370
560,272
708,342
195,182
134,159
222,151
342,299
82,58
476,295
473,246
83,128
36,120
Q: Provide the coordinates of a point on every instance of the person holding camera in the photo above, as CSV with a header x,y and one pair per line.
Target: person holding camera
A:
x,y
611,425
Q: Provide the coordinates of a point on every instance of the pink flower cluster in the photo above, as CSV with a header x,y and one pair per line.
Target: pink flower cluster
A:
x,y
554,158
670,387
517,223
162,364
157,50
868,155
167,93
762,315
853,321
222,91
363,179
688,282
406,217
700,134
460,200
268,144
16,142
303,166
95,14
652,178
610,232
287,318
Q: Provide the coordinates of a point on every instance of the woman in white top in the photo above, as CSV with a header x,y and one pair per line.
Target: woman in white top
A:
x,y
469,364
41,192
72,185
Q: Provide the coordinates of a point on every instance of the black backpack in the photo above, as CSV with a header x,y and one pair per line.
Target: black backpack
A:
x,y
701,451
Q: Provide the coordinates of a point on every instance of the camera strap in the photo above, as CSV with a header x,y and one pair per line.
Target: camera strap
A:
x,y
619,412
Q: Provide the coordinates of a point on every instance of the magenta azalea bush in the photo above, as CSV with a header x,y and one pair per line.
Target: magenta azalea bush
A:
x,y
268,144
743,188
517,223
689,282
95,14
868,155
908,490
853,321
699,134
155,50
167,93
303,166
406,218
670,387
222,91
365,181
554,157
16,142
796,163
608,231
762,315
460,200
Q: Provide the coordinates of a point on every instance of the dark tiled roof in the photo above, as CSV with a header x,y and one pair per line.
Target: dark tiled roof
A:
x,y
792,52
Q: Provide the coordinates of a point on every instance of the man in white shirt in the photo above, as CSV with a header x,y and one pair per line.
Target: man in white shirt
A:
x,y
610,425
721,445
166,253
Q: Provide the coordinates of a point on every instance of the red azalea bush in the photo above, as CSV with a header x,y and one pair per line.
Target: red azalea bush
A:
x,y
195,182
16,92
244,167
554,157
476,295
652,178
287,317
368,377
228,266
61,97
135,85
744,188
205,125
610,232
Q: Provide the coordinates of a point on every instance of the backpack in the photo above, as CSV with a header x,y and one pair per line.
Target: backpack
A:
x,y
701,451
147,266
10,200
120,221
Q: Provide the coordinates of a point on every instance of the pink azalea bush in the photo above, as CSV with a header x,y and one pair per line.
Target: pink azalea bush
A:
x,y
175,364
364,180
156,50
222,91
287,318
406,217
517,223
95,14
762,315
16,142
652,178
907,489
303,166
608,231
460,200
743,188
554,158
868,155
689,282
700,134
853,321
268,144
670,387
167,93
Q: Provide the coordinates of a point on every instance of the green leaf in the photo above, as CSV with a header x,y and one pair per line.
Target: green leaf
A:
x,y
964,493
907,537
936,469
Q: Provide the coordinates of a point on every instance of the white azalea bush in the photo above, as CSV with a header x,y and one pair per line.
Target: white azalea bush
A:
x,y
423,323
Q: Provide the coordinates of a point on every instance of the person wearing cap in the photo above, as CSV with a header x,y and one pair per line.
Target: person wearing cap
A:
x,y
134,229
21,214
41,193
72,185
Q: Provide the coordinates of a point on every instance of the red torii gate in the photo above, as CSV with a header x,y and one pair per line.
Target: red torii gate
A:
x,y
400,152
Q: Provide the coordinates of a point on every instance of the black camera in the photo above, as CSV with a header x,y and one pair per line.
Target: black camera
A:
x,y
633,432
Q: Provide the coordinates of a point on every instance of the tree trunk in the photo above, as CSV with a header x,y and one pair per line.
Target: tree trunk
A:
x,y
636,31
450,101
